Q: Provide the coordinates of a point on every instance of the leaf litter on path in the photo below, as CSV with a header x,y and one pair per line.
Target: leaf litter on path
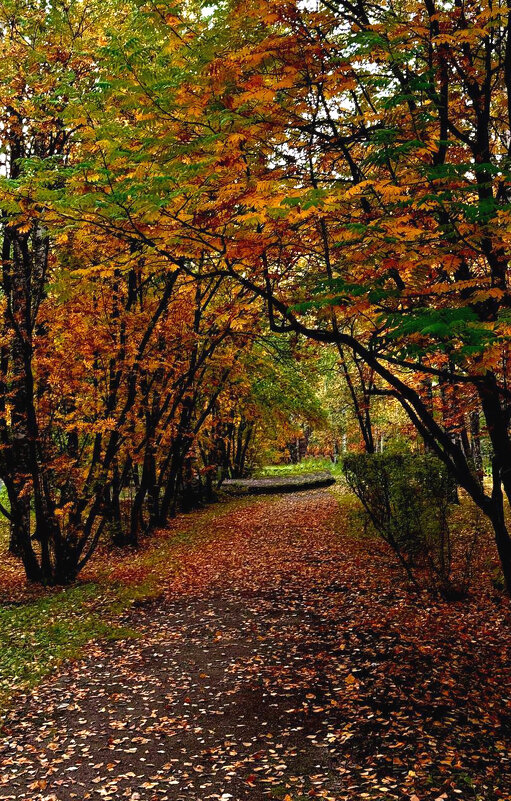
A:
x,y
287,660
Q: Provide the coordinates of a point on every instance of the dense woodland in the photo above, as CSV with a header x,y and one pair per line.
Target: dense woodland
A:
x,y
226,229
258,245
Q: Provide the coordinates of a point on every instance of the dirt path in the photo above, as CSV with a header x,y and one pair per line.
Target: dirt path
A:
x,y
278,674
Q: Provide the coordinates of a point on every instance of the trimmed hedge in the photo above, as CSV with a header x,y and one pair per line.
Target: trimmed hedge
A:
x,y
407,499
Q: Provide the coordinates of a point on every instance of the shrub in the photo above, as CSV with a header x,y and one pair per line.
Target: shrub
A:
x,y
407,498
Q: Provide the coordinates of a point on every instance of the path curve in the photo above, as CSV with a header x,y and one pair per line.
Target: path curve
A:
x,y
274,485
280,674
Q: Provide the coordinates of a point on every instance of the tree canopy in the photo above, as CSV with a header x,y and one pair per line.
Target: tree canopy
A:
x,y
185,182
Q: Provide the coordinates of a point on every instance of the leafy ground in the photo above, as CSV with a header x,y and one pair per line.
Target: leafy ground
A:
x,y
281,656
39,628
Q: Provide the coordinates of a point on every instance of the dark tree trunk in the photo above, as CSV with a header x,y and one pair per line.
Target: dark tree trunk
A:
x,y
497,517
475,445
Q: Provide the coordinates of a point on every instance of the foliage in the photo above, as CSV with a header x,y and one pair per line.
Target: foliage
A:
x,y
179,173
358,155
233,234
407,498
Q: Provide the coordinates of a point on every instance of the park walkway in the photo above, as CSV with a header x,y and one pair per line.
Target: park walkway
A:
x,y
291,664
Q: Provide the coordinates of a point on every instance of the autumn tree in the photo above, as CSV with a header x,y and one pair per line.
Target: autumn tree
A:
x,y
274,405
113,355
46,60
348,165
371,146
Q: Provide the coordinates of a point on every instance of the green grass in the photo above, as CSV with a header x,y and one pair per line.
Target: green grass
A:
x,y
36,636
38,633
310,465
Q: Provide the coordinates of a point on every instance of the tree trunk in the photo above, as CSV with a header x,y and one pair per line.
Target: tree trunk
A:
x,y
475,445
497,517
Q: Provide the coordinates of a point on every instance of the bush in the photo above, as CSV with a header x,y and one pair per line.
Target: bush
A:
x,y
407,498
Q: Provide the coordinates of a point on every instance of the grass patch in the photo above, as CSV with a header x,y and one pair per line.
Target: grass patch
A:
x,y
310,465
41,628
37,635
